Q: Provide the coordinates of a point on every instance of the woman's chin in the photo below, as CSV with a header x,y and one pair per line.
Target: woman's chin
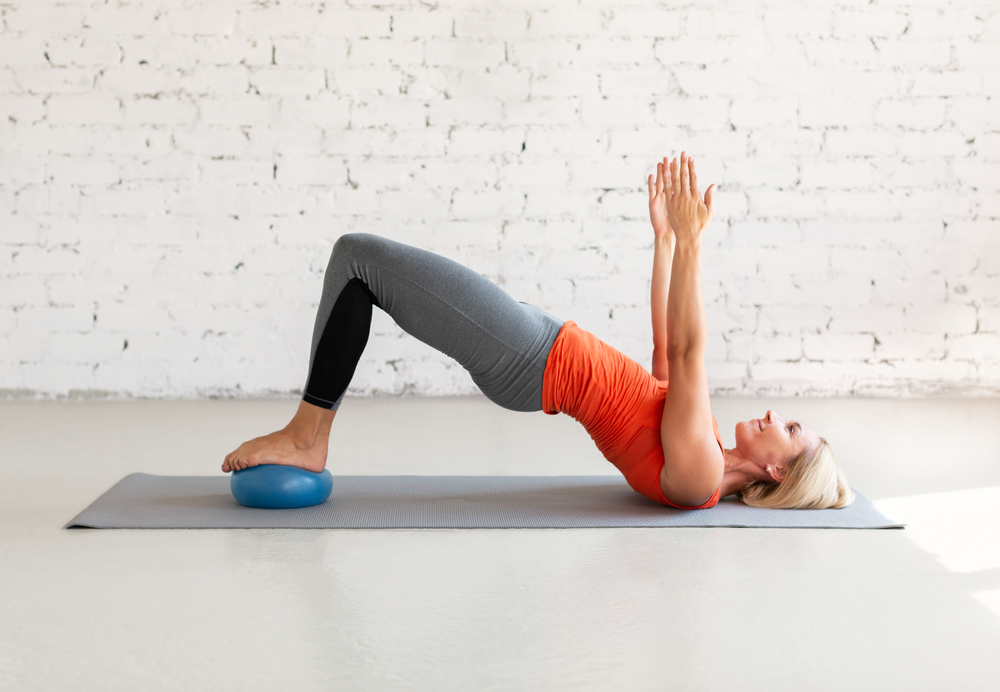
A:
x,y
744,429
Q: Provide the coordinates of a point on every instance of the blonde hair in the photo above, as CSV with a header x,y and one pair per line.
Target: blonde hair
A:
x,y
813,481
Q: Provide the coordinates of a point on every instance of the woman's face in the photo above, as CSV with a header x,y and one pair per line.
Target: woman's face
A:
x,y
773,441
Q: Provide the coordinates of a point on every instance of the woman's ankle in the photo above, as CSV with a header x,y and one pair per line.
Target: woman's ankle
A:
x,y
311,424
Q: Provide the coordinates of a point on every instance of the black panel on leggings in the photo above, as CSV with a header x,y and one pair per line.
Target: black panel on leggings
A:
x,y
344,339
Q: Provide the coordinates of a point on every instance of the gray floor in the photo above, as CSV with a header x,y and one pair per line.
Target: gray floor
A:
x,y
603,609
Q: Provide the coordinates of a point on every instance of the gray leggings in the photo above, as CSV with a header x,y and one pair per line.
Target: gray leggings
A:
x,y
501,342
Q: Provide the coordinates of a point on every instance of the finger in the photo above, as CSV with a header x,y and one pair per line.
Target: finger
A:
x,y
659,178
710,198
694,178
652,192
685,180
675,177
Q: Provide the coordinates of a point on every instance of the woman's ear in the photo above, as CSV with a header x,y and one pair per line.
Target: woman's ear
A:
x,y
776,473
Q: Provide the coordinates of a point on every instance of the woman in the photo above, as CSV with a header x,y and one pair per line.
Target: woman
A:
x,y
664,439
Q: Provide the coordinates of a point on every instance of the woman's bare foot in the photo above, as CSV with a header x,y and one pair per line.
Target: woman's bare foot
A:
x,y
303,443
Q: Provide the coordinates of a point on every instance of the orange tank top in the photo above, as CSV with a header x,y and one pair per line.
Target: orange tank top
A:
x,y
619,403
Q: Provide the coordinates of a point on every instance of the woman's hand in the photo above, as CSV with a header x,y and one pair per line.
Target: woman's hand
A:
x,y
687,213
658,201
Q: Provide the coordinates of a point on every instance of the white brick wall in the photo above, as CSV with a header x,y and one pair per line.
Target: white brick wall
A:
x,y
173,174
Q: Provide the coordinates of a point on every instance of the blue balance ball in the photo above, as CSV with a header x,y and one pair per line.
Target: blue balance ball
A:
x,y
271,486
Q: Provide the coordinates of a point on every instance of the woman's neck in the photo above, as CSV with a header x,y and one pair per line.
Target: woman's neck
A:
x,y
737,474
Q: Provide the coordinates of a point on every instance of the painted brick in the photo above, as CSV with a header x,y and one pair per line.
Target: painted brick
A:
x,y
553,111
477,112
610,52
241,172
545,23
129,201
784,347
446,174
820,112
487,204
534,173
775,141
138,81
875,318
83,171
491,24
324,110
915,114
975,348
48,261
121,20
425,142
422,24
616,111
51,198
353,23
382,174
56,20
384,51
200,21
365,81
772,112
870,23
950,319
910,346
712,80
838,347
466,141
211,141
799,22
948,83
237,111
834,52
23,291
862,143
288,82
505,83
310,51
564,82
545,54
553,203
160,111
638,22
464,53
945,23
100,51
988,146
260,22
312,171
982,175
913,54
86,109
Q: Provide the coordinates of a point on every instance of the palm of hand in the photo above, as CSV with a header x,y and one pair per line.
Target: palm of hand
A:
x,y
658,213
675,203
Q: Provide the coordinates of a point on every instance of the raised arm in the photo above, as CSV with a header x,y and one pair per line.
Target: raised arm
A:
x,y
663,257
693,463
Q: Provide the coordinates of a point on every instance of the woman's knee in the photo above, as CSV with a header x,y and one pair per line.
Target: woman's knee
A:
x,y
348,250
351,244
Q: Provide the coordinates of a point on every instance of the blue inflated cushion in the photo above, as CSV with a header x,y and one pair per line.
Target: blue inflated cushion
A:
x,y
271,486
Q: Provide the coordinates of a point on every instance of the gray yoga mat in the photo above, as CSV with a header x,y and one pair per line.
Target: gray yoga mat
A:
x,y
145,501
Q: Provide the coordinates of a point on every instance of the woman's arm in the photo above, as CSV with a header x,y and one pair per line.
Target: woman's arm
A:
x,y
663,257
693,463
